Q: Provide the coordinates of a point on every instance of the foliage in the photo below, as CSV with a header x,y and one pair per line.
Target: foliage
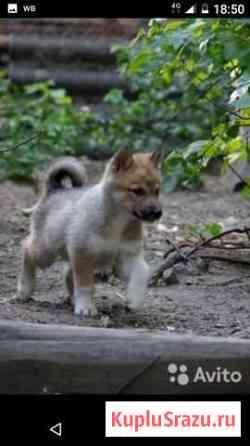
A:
x,y
190,83
37,122
207,230
191,76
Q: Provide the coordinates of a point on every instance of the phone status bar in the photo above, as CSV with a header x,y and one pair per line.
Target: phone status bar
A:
x,y
173,9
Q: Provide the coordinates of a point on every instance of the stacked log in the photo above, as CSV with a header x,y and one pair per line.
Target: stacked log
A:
x,y
4,43
76,80
75,53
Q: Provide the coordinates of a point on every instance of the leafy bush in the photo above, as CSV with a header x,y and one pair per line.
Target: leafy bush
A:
x,y
185,73
37,122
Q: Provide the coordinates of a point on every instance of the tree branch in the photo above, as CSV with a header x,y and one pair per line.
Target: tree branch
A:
x,y
237,174
20,144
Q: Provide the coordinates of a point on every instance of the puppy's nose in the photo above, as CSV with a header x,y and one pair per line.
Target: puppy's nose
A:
x,y
157,213
152,213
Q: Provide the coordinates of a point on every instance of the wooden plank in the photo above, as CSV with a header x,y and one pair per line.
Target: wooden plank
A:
x,y
64,359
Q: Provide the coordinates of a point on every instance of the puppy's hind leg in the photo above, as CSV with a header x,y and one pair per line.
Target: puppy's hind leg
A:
x,y
68,284
27,276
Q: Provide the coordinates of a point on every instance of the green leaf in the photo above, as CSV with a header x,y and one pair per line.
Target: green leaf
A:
x,y
245,192
38,87
195,148
114,97
214,229
210,229
197,230
58,93
233,157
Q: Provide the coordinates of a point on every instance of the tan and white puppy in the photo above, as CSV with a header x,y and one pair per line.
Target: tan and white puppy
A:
x,y
94,226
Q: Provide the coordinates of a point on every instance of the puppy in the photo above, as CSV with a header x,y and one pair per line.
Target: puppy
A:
x,y
92,227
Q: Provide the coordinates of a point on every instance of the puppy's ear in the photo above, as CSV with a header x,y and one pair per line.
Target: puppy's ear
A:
x,y
122,160
157,157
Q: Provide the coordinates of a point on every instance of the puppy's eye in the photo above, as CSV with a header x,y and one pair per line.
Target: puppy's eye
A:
x,y
138,191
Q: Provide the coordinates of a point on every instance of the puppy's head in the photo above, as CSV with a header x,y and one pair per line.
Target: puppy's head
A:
x,y
136,178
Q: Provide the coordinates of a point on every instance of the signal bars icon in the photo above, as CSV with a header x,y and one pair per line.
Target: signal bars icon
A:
x,y
191,10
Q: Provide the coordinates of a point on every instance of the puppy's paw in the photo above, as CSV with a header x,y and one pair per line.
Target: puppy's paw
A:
x,y
6,300
85,309
132,306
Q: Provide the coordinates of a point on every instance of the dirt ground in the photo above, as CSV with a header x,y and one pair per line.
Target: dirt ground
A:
x,y
214,302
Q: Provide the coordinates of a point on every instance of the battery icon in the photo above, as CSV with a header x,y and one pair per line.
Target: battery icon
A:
x,y
204,8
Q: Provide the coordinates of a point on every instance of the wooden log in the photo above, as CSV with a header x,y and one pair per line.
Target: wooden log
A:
x,y
64,359
74,79
59,48
4,42
114,28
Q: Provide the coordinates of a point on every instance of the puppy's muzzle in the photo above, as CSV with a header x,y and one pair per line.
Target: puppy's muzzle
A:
x,y
149,214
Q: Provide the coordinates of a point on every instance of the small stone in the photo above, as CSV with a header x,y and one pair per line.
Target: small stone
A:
x,y
170,277
219,325
235,330
189,282
202,265
170,328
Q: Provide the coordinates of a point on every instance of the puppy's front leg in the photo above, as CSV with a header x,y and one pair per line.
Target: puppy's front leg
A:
x,y
68,283
83,277
139,274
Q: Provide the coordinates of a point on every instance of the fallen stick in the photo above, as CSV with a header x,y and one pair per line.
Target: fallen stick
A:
x,y
245,230
177,258
224,259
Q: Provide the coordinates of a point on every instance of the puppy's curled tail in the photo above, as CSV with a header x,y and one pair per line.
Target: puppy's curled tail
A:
x,y
64,168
